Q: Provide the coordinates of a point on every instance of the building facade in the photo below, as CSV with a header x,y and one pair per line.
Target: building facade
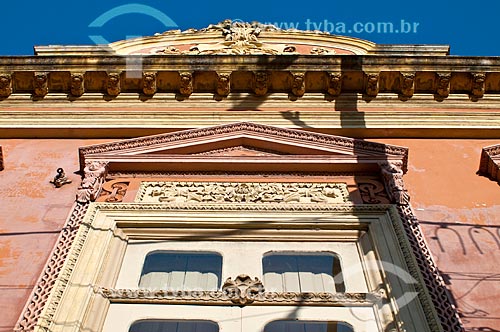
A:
x,y
246,178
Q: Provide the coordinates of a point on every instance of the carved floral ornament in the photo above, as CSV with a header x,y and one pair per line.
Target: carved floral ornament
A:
x,y
239,38
242,193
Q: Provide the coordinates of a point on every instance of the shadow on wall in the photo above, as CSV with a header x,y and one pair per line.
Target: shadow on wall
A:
x,y
475,248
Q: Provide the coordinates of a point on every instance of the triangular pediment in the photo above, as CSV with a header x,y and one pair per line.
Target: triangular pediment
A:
x,y
242,142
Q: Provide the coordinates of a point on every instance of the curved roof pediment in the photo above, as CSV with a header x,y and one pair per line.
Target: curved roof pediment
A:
x,y
243,146
243,38
238,38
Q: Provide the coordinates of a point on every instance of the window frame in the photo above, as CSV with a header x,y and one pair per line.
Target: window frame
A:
x,y
107,228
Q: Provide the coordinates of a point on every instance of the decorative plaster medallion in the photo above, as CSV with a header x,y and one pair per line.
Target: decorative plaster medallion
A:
x,y
242,193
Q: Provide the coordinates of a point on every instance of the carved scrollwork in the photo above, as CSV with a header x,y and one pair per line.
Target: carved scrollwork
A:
x,y
243,290
149,86
334,83
186,83
373,192
223,84
261,83
113,84
298,83
240,292
478,85
41,84
77,84
245,192
407,84
372,84
113,191
5,85
94,175
443,81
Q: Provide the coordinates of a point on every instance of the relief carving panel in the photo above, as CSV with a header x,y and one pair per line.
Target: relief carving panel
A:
x,y
246,193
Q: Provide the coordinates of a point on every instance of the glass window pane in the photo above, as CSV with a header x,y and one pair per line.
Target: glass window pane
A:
x,y
173,326
182,271
297,272
307,326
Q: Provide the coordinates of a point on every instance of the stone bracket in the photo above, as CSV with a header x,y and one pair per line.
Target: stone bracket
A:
x,y
443,81
77,84
186,83
149,84
5,85
372,83
298,83
40,84
223,83
261,83
334,83
113,84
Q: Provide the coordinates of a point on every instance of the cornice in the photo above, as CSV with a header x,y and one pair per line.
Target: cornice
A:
x,y
331,75
249,62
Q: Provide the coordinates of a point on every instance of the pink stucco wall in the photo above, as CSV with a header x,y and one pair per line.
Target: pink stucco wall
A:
x,y
459,211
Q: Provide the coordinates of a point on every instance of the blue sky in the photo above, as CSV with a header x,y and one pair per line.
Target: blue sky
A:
x,y
469,30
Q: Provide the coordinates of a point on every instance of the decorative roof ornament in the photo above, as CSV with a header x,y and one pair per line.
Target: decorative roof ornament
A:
x,y
240,38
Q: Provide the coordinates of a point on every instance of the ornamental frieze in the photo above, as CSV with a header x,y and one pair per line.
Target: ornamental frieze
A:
x,y
224,298
241,291
242,193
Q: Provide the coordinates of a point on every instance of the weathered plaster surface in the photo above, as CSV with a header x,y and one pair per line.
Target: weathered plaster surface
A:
x,y
459,212
32,212
460,215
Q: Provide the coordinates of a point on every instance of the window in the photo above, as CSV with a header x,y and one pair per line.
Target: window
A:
x,y
174,326
181,271
118,264
307,326
302,272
